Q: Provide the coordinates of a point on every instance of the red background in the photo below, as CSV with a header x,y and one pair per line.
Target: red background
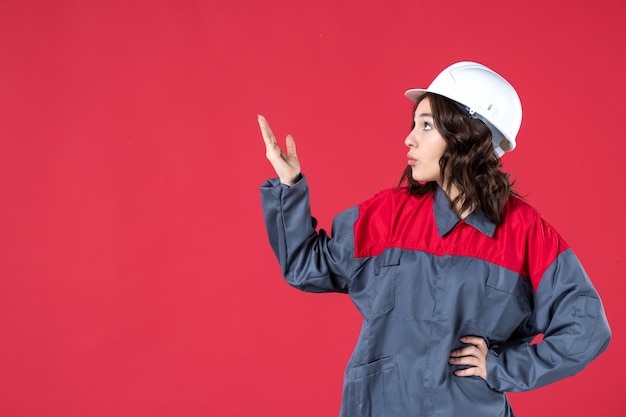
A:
x,y
135,275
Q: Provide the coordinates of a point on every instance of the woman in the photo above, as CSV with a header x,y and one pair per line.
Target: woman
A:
x,y
453,274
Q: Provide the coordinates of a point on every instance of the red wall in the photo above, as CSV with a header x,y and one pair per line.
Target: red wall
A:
x,y
135,275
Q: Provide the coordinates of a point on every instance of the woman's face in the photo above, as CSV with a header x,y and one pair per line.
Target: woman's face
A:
x,y
426,145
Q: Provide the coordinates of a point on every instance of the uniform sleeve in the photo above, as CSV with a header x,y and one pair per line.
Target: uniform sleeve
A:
x,y
310,260
569,313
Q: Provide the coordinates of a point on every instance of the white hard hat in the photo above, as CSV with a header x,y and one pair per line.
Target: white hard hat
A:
x,y
485,95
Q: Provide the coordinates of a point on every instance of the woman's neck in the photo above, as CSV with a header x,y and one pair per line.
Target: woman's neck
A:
x,y
453,192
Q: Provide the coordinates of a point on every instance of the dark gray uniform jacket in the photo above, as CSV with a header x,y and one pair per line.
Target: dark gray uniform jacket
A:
x,y
422,278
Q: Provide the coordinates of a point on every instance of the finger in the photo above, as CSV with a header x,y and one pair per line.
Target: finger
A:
x,y
474,371
291,147
266,131
474,367
466,361
272,149
466,351
465,372
479,342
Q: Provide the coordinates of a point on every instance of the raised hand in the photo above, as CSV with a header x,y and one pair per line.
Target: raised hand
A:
x,y
287,166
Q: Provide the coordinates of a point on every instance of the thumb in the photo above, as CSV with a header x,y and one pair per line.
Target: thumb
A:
x,y
291,147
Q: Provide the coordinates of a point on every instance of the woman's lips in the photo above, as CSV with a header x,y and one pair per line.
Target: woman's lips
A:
x,y
412,161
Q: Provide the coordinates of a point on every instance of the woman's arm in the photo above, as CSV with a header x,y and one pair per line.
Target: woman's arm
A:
x,y
310,260
567,310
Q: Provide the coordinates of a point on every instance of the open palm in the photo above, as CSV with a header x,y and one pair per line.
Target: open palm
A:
x,y
287,166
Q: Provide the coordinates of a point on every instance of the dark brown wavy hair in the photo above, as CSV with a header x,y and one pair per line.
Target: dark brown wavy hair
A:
x,y
469,159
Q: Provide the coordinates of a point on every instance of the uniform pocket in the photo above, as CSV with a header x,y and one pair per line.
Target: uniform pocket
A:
x,y
585,320
504,282
383,289
373,390
505,304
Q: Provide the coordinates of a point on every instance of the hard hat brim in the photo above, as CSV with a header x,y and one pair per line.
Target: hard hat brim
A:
x,y
415,93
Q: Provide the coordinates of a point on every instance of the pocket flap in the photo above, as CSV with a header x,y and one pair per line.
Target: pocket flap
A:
x,y
390,257
504,282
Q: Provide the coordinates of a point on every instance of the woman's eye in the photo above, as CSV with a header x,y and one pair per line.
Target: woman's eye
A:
x,y
427,126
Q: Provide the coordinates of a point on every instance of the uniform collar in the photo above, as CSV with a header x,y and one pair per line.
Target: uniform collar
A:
x,y
446,218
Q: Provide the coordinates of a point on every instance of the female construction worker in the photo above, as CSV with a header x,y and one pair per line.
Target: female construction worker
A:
x,y
453,274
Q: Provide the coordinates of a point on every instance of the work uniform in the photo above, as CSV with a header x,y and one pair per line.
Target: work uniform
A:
x,y
422,278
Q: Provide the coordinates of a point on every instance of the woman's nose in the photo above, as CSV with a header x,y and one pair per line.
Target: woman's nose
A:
x,y
410,140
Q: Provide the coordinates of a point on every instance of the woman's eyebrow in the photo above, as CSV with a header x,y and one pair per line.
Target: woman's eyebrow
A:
x,y
424,115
